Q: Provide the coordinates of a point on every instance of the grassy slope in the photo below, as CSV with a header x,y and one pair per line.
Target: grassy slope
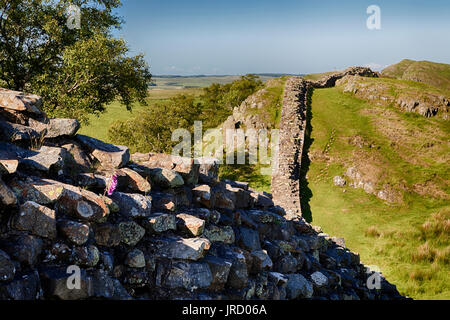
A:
x,y
436,74
270,113
388,236
317,76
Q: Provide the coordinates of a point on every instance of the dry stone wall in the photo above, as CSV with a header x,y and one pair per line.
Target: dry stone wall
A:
x,y
286,175
170,229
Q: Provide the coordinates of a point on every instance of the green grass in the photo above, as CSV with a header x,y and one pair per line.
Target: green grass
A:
x,y
247,173
317,76
272,100
352,213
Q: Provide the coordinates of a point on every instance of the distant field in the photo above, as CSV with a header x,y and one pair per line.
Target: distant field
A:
x,y
169,82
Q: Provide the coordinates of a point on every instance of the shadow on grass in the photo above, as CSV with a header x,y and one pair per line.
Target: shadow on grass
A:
x,y
305,191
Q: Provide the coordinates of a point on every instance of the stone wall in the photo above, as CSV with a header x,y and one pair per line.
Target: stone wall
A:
x,y
286,177
169,230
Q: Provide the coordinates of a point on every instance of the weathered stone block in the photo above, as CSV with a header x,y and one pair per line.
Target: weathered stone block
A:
x,y
133,205
191,224
109,155
36,219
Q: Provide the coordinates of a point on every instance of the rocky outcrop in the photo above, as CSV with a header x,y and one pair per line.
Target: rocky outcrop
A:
x,y
165,232
409,99
330,80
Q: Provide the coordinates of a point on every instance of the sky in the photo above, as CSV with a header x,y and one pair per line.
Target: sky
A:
x,y
189,37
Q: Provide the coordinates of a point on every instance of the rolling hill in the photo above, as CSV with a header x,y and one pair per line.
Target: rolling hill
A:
x,y
436,74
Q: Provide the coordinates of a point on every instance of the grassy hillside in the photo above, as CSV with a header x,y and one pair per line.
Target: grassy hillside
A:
x,y
409,239
317,76
436,74
270,101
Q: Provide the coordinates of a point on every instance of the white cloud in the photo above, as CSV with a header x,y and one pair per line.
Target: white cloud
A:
x,y
375,66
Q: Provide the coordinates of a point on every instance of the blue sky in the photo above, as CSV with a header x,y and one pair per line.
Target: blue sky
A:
x,y
282,36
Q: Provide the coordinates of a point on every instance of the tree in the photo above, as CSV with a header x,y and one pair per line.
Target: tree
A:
x,y
152,129
220,100
76,71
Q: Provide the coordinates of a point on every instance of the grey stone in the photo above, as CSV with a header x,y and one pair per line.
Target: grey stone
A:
x,y
7,196
19,101
219,234
319,279
12,132
76,232
133,205
165,178
220,269
160,222
108,235
298,287
135,259
278,278
286,264
7,268
261,260
36,219
82,204
103,286
203,195
191,224
23,287
188,275
179,248
339,181
110,156
238,276
87,256
249,239
131,233
24,248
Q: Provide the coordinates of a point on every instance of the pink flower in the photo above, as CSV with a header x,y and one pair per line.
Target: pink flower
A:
x,y
112,185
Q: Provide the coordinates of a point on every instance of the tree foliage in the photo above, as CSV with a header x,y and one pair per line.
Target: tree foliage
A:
x,y
152,130
76,71
220,100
